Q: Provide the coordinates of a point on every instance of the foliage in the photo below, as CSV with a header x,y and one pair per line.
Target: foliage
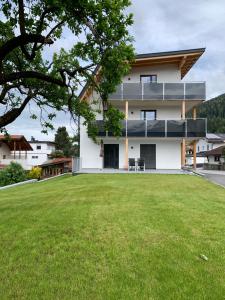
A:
x,y
35,173
13,173
99,42
57,154
113,236
214,111
63,143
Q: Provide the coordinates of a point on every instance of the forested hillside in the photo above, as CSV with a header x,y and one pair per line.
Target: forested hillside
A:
x,y
214,111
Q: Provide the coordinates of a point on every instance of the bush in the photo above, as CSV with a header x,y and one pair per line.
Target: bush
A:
x,y
13,173
35,173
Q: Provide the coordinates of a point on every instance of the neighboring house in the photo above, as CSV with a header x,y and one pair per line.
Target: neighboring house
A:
x,y
155,100
216,159
211,141
56,166
41,152
15,148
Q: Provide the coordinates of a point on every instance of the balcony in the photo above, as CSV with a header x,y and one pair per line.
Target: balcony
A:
x,y
160,91
188,128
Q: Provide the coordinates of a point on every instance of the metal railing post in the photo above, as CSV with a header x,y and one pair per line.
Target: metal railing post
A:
x,y
163,91
184,91
142,90
165,128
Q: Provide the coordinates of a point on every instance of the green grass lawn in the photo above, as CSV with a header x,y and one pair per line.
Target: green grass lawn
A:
x,y
124,236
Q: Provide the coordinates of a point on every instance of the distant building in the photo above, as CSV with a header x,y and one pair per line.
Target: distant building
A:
x,y
215,159
15,148
41,152
211,141
56,166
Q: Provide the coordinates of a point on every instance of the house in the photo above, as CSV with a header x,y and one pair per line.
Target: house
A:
x,y
211,141
14,148
56,166
216,159
41,152
155,100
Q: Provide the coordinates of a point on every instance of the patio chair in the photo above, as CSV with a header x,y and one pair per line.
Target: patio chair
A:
x,y
131,164
140,164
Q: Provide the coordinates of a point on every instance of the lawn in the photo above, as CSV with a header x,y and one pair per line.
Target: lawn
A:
x,y
123,236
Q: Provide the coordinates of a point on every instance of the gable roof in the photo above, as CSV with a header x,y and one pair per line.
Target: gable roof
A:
x,y
185,59
216,151
16,142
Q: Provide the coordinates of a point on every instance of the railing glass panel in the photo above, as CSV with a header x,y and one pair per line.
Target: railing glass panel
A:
x,y
153,91
156,128
176,128
196,128
195,91
136,128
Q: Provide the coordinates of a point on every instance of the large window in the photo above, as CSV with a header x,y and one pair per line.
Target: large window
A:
x,y
148,78
38,147
148,114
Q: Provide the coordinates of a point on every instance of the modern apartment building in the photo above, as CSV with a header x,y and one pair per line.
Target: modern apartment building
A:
x,y
155,99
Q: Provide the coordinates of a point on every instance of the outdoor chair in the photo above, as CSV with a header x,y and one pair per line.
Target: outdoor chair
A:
x,y
140,164
131,164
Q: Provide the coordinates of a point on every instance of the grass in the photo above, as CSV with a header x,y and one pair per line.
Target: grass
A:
x,y
123,236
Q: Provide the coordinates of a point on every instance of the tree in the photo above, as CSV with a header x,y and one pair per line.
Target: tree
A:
x,y
30,28
63,142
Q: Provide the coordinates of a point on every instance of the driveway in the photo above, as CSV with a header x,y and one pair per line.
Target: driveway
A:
x,y
217,177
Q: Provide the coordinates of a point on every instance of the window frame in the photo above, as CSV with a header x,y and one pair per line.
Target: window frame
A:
x,y
149,75
148,110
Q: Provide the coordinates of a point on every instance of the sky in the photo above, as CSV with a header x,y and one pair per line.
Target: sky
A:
x,y
162,25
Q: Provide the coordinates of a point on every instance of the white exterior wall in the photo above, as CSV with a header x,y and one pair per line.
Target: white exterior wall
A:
x,y
41,154
165,73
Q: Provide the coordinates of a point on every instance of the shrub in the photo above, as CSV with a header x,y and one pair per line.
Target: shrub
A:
x,y
35,173
13,173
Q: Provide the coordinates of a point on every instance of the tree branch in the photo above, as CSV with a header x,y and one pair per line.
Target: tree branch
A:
x,y
21,40
31,74
14,113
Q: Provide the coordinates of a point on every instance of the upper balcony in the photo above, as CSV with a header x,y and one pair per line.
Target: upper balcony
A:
x,y
160,91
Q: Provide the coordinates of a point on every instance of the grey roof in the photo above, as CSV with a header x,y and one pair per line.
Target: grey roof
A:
x,y
219,137
167,53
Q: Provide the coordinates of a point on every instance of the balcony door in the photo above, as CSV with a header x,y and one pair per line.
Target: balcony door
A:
x,y
111,156
148,114
148,153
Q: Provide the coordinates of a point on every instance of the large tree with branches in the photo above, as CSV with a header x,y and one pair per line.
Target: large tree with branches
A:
x,y
30,72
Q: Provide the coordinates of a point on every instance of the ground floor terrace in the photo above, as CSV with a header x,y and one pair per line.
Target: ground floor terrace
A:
x,y
114,154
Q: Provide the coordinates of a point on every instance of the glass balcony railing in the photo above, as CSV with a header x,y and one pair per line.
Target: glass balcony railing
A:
x,y
160,91
188,128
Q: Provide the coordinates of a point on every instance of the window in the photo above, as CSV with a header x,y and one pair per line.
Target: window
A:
x,y
198,149
4,156
203,148
148,114
38,147
216,158
148,78
35,157
207,147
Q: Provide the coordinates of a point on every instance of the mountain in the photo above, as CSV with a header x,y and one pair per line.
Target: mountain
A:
x,y
214,111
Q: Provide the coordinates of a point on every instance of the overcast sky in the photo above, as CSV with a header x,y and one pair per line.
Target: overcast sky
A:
x,y
164,25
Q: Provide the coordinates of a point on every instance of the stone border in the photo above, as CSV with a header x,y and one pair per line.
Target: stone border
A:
x,y
17,184
52,177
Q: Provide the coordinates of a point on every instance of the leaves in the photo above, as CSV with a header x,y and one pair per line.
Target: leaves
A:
x,y
98,31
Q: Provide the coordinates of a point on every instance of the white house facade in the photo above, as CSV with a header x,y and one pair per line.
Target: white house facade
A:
x,y
41,152
154,100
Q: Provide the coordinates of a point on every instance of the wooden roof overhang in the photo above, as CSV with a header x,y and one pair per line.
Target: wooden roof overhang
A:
x,y
16,142
184,59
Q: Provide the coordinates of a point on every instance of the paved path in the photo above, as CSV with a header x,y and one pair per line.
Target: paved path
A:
x,y
217,177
